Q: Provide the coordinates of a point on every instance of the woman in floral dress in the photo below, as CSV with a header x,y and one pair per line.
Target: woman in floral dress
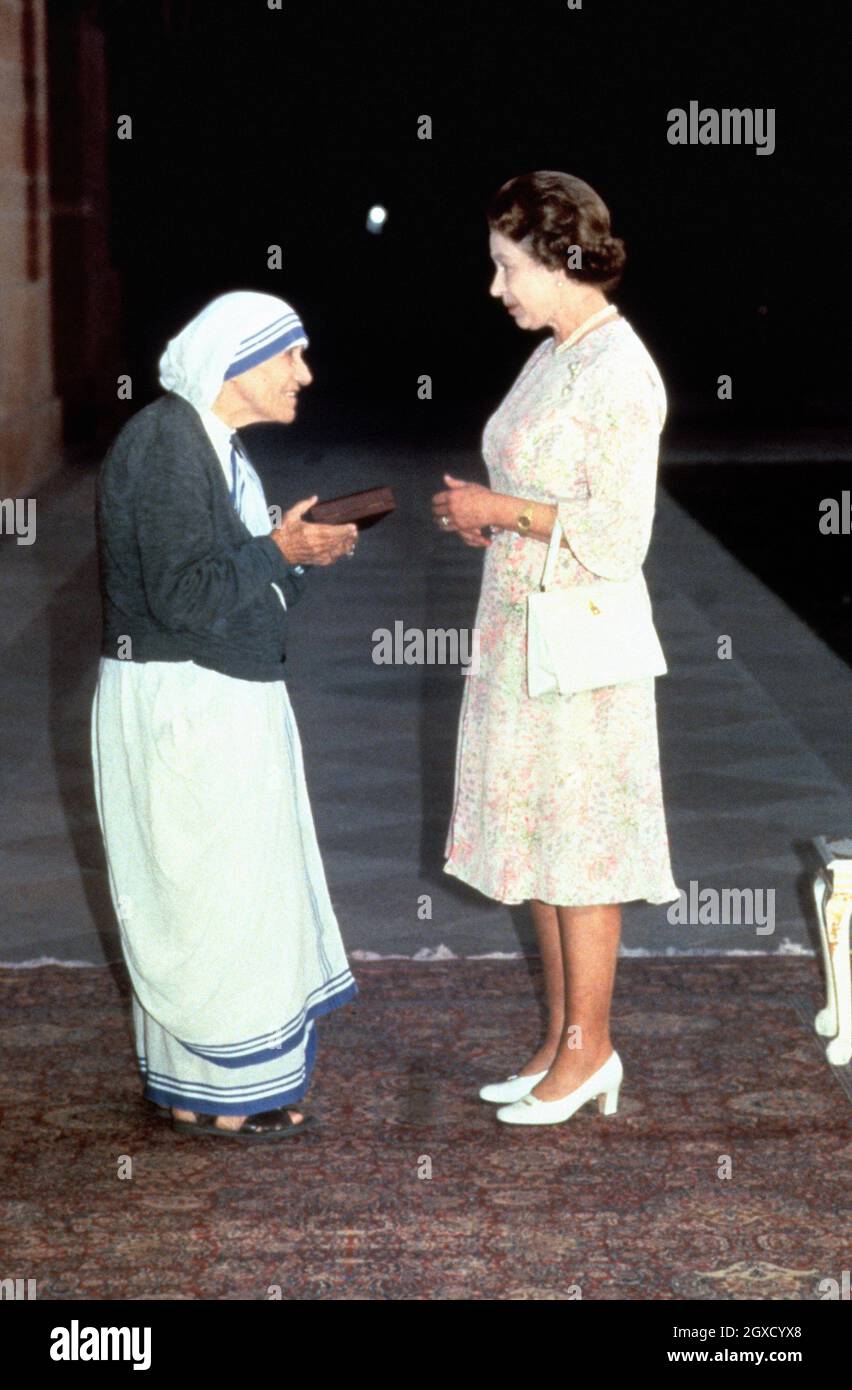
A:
x,y
558,799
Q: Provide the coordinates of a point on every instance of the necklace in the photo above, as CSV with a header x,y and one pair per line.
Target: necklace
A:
x,y
609,311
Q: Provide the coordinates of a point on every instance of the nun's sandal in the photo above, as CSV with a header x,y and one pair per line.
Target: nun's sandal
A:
x,y
255,1129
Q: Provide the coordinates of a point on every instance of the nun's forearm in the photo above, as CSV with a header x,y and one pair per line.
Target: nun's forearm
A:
x,y
190,578
193,594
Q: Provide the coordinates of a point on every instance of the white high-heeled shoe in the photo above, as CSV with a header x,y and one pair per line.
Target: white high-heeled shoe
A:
x,y
503,1092
604,1084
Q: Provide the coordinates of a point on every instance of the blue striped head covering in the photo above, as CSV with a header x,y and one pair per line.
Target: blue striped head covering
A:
x,y
284,332
231,335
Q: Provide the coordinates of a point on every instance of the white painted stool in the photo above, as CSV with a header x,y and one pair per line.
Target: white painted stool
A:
x,y
833,896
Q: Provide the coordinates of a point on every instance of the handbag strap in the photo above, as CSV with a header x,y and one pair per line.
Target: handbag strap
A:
x,y
552,556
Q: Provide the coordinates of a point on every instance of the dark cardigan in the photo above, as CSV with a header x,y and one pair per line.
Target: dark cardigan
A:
x,y
181,576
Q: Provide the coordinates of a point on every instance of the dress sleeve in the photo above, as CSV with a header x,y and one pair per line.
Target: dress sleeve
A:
x,y
614,423
191,578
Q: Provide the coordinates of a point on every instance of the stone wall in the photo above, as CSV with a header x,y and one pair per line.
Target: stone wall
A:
x,y
87,343
30,411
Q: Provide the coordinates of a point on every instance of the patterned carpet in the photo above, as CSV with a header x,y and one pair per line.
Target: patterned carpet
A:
x,y
720,1059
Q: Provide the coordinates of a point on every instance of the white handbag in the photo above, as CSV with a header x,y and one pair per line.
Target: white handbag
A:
x,y
589,635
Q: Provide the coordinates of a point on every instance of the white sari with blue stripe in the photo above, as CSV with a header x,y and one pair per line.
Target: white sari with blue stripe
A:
x,y
227,926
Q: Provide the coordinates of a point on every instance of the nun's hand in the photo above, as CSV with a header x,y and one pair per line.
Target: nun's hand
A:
x,y
311,543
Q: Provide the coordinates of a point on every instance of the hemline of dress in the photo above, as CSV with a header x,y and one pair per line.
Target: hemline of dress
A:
x,y
346,991
185,1100
202,1105
512,900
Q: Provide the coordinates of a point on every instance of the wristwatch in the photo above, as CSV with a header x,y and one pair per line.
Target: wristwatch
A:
x,y
524,521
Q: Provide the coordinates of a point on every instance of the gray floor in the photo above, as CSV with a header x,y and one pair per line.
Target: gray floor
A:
x,y
756,752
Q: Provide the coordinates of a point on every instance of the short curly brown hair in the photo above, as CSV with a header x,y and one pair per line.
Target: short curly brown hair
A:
x,y
556,212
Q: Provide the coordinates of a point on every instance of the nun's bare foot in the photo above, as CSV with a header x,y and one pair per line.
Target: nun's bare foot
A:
x,y
229,1121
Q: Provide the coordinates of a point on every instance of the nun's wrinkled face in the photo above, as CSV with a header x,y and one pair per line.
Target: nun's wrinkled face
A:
x,y
268,392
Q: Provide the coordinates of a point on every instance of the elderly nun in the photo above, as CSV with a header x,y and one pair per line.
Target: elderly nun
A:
x,y
226,923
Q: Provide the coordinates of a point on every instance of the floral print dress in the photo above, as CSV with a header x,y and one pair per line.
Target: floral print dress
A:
x,y
559,797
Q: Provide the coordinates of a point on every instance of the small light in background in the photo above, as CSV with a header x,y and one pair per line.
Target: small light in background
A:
x,y
376,219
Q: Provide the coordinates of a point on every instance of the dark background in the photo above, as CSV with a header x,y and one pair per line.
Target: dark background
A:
x,y
253,127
